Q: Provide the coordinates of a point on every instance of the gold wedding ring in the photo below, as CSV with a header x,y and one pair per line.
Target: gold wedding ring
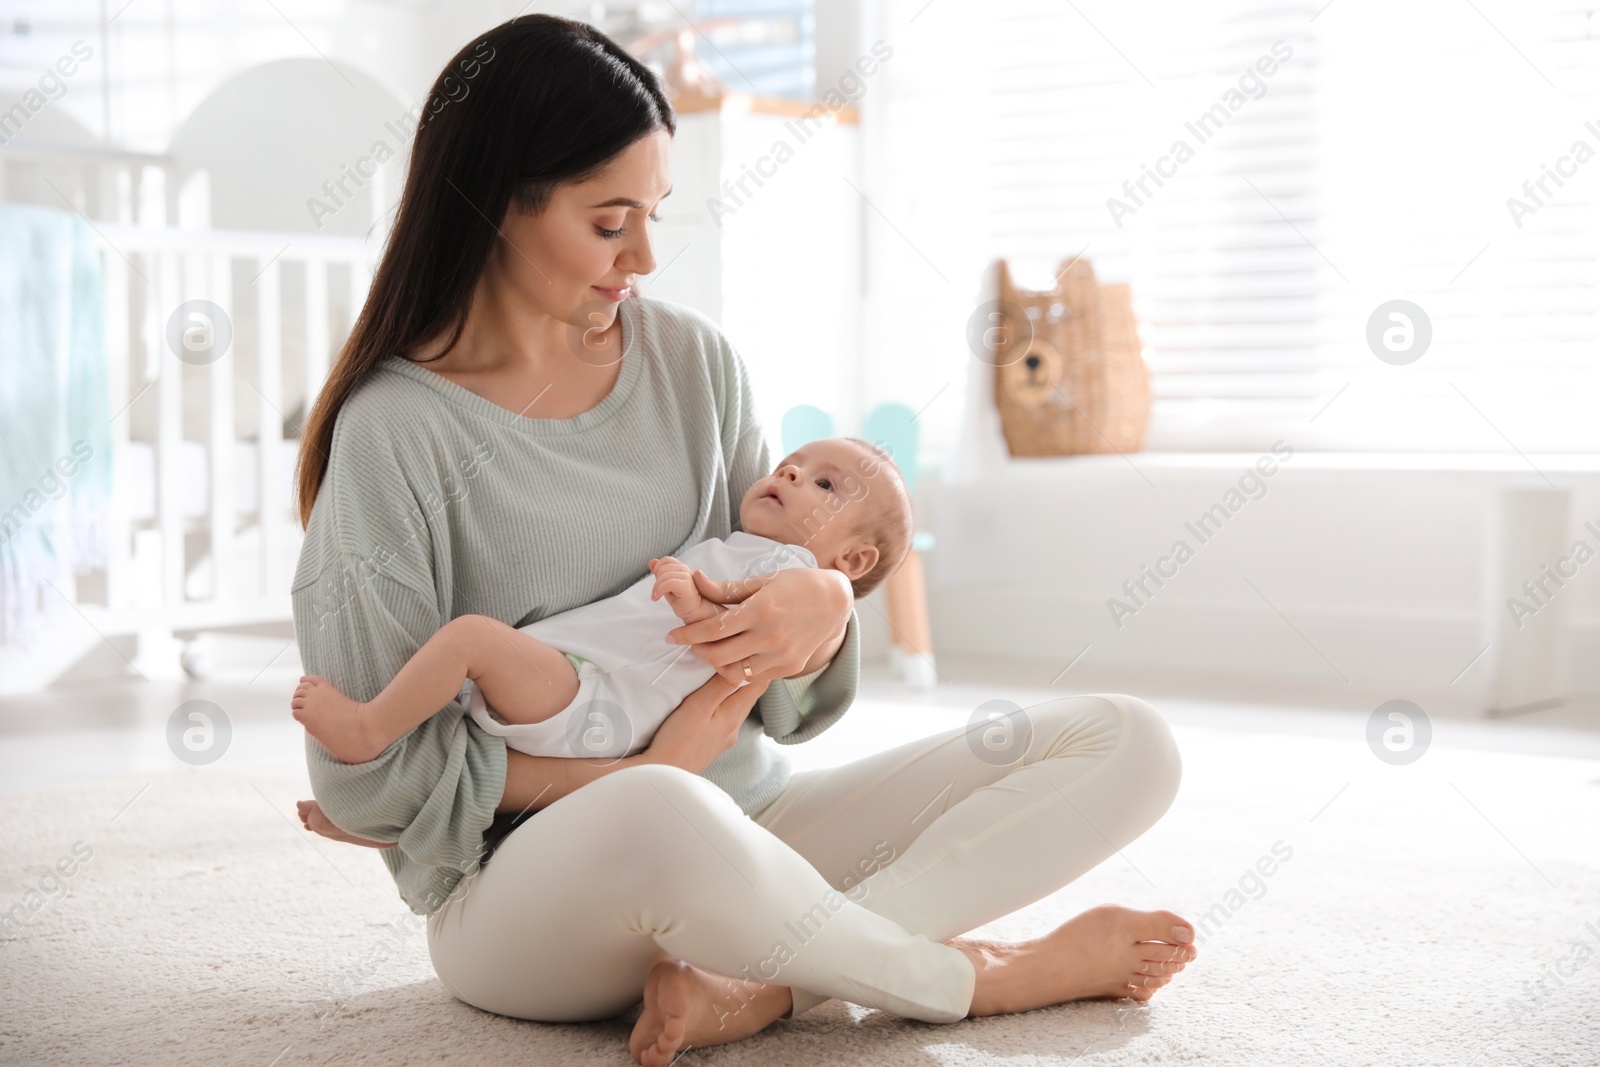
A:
x,y
749,675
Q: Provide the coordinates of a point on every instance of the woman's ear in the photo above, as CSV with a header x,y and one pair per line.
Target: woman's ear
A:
x,y
856,560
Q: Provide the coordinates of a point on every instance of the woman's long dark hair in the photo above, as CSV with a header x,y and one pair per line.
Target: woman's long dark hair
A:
x,y
548,101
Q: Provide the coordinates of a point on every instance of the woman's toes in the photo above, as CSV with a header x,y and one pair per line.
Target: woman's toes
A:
x,y
1156,951
1165,926
1174,956
1173,927
1142,989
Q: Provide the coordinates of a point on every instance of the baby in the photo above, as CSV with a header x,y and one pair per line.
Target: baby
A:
x,y
598,680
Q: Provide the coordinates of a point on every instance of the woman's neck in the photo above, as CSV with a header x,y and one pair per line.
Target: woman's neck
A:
x,y
506,332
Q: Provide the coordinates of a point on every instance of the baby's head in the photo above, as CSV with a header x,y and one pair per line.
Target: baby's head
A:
x,y
842,498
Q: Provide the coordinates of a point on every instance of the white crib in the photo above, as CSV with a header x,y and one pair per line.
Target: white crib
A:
x,y
204,528
204,534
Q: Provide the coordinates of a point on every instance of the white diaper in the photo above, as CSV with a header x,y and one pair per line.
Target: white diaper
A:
x,y
614,714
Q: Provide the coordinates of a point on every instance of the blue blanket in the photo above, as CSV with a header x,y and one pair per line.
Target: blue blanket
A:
x,y
55,429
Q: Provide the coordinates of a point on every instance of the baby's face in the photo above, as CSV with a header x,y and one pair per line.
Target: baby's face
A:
x,y
817,498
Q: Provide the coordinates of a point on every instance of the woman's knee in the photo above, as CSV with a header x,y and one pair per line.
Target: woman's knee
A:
x,y
636,787
1120,729
1147,740
659,780
655,798
669,826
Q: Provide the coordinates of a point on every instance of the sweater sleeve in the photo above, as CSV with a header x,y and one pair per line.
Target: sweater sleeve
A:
x,y
792,710
364,602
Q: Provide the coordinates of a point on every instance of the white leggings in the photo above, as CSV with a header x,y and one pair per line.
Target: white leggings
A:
x,y
844,886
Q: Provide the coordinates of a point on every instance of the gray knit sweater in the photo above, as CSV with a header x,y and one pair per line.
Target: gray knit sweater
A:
x,y
437,503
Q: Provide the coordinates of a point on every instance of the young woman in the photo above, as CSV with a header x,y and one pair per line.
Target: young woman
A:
x,y
511,431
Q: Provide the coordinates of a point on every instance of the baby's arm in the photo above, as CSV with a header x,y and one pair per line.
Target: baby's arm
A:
x,y
675,581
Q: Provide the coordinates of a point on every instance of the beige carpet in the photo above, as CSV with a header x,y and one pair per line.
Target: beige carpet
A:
x,y
1442,913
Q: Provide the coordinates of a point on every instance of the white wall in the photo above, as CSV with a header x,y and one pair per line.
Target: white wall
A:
x,y
923,211
1381,571
776,264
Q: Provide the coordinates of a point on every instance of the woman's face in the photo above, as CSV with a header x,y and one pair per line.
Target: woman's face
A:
x,y
577,259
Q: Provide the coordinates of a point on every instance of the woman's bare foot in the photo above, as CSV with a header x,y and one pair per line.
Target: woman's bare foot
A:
x,y
1106,952
313,819
344,726
686,1007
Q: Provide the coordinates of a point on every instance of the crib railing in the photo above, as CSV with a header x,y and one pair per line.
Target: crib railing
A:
x,y
104,183
177,569
177,574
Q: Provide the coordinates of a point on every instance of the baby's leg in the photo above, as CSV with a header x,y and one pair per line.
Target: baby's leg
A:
x,y
522,678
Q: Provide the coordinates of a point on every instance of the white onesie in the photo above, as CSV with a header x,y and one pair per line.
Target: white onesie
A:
x,y
633,678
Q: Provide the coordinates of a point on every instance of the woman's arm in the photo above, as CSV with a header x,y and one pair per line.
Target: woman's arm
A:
x,y
703,727
365,600
793,709
535,782
821,657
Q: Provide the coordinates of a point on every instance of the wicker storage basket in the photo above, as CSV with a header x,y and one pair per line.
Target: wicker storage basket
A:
x,y
1069,376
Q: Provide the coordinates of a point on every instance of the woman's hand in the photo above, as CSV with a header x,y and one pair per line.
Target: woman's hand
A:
x,y
779,622
703,726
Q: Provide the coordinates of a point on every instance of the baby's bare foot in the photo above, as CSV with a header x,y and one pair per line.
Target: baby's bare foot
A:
x,y
686,1007
313,818
341,724
1106,952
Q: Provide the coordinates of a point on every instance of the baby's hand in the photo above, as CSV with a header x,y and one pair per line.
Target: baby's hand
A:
x,y
675,581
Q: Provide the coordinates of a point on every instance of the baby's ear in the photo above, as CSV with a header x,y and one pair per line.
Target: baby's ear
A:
x,y
857,560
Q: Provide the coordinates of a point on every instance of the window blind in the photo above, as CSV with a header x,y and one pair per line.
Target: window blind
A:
x,y
1266,175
